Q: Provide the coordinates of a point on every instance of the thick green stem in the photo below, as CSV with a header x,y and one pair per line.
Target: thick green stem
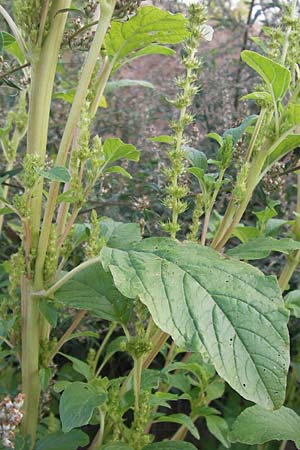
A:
x,y
107,8
44,63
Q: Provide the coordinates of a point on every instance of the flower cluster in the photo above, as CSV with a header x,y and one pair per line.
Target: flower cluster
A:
x,y
10,417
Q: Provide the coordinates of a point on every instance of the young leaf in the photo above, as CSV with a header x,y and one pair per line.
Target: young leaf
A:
x,y
182,419
211,304
149,26
256,425
118,169
261,247
63,441
164,139
170,445
77,404
57,173
276,76
115,149
93,289
219,428
238,132
196,157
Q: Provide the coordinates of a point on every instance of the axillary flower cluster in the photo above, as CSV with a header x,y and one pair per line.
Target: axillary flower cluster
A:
x,y
10,417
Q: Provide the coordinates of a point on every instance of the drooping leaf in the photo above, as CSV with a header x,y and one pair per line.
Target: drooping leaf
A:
x,y
182,419
276,76
113,85
163,138
149,26
80,366
292,301
256,425
219,428
258,97
211,304
261,247
58,173
118,169
93,289
77,404
115,149
196,157
63,441
238,132
170,445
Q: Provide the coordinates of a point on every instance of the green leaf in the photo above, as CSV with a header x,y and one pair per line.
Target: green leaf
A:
x,y
216,137
67,96
282,147
61,385
212,304
60,441
292,301
258,97
219,428
77,404
152,49
115,149
238,132
170,445
182,419
244,234
49,312
118,169
11,46
215,389
113,85
276,76
57,173
163,138
149,26
80,366
196,157
118,234
262,247
93,289
256,425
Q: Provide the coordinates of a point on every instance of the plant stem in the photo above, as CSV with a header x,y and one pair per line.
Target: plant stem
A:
x,y
212,203
107,8
283,445
77,319
112,328
44,63
137,374
97,441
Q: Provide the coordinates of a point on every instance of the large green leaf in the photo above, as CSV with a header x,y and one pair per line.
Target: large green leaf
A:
x,y
256,425
276,76
261,248
149,26
210,303
63,441
92,288
77,404
170,445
